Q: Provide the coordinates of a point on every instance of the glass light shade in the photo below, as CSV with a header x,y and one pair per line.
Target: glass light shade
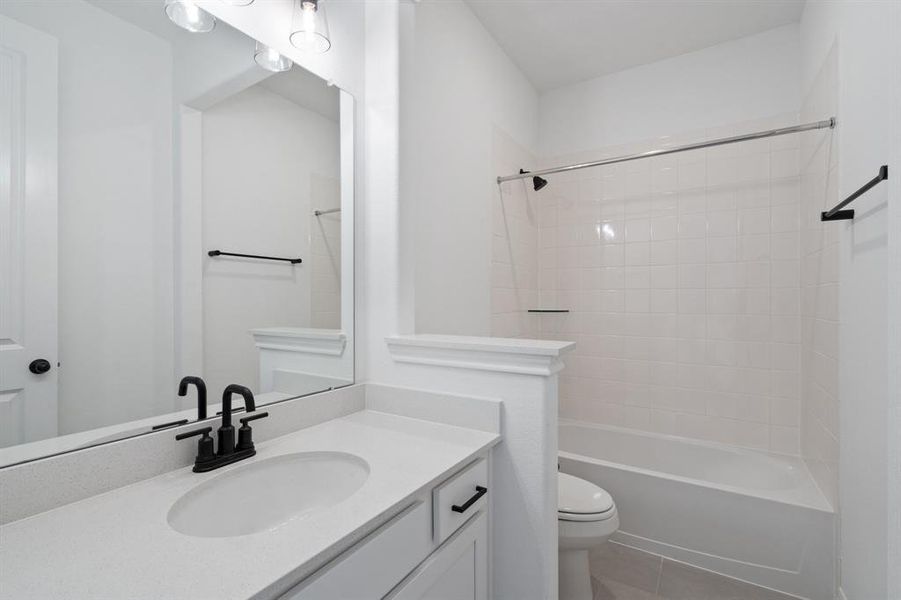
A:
x,y
270,59
238,2
309,30
188,15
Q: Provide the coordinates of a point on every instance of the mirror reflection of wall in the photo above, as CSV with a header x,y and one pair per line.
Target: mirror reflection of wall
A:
x,y
270,159
143,147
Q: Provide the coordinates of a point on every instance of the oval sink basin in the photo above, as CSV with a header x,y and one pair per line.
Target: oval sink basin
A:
x,y
266,494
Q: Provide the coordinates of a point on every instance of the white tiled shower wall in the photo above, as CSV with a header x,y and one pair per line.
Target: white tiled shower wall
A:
x,y
820,287
682,275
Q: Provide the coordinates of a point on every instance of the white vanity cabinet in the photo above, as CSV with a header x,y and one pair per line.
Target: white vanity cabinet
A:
x,y
428,550
458,570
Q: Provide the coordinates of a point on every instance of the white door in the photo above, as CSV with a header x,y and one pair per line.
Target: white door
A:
x,y
28,233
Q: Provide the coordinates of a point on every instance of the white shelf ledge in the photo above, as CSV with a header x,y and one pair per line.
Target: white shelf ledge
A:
x,y
301,339
505,355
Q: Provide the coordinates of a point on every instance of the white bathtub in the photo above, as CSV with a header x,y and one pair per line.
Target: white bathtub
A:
x,y
750,515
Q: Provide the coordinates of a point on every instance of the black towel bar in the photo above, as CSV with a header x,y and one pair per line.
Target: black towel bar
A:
x,y
837,214
293,261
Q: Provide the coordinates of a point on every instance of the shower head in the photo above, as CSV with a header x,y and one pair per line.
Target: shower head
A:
x,y
537,182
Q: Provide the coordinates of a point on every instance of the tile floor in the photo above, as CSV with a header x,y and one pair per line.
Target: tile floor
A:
x,y
623,573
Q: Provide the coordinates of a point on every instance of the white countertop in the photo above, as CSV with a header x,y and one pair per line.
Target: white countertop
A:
x,y
119,545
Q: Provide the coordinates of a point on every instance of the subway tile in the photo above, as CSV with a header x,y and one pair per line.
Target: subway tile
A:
x,y
636,277
692,202
638,301
664,277
637,253
743,407
722,249
693,276
664,253
692,225
664,228
784,218
722,223
754,247
692,251
692,175
724,276
754,221
785,440
638,230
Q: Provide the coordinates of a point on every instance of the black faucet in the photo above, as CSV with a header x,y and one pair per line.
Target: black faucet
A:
x,y
201,393
227,431
228,451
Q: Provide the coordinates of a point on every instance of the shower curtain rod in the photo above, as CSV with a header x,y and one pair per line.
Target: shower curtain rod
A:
x,y
828,123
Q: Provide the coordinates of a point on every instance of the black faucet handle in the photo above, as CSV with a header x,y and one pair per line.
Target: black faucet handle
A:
x,y
205,447
245,433
204,431
253,417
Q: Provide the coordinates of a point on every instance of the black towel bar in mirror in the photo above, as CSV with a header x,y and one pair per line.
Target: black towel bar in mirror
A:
x,y
293,261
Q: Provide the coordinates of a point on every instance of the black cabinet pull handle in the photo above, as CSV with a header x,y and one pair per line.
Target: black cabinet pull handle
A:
x,y
480,491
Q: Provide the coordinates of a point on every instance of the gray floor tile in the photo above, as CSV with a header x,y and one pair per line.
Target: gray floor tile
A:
x,y
608,589
681,582
634,568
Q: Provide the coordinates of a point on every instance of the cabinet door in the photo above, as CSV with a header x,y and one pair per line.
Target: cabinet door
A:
x,y
374,566
458,570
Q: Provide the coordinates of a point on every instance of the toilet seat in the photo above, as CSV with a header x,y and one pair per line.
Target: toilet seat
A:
x,y
582,501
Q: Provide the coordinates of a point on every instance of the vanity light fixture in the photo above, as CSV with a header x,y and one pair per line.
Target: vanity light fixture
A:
x,y
309,30
187,15
270,59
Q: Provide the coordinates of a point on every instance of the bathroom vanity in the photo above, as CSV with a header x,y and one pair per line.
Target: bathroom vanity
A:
x,y
366,504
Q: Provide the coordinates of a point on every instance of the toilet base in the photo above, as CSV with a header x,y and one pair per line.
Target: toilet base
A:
x,y
574,575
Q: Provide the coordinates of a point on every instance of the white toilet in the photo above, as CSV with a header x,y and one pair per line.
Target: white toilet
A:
x,y
586,516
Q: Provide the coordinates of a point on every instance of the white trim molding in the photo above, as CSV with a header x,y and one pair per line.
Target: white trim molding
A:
x,y
504,355
301,339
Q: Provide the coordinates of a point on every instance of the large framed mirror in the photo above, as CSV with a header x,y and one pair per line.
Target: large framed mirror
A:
x,y
172,204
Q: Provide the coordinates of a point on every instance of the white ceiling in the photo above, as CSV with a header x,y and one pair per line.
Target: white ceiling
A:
x,y
559,42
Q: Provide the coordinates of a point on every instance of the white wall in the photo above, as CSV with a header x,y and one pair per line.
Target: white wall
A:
x,y
750,78
457,88
115,214
262,158
863,36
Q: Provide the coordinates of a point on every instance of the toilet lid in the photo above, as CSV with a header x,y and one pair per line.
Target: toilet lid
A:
x,y
579,497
